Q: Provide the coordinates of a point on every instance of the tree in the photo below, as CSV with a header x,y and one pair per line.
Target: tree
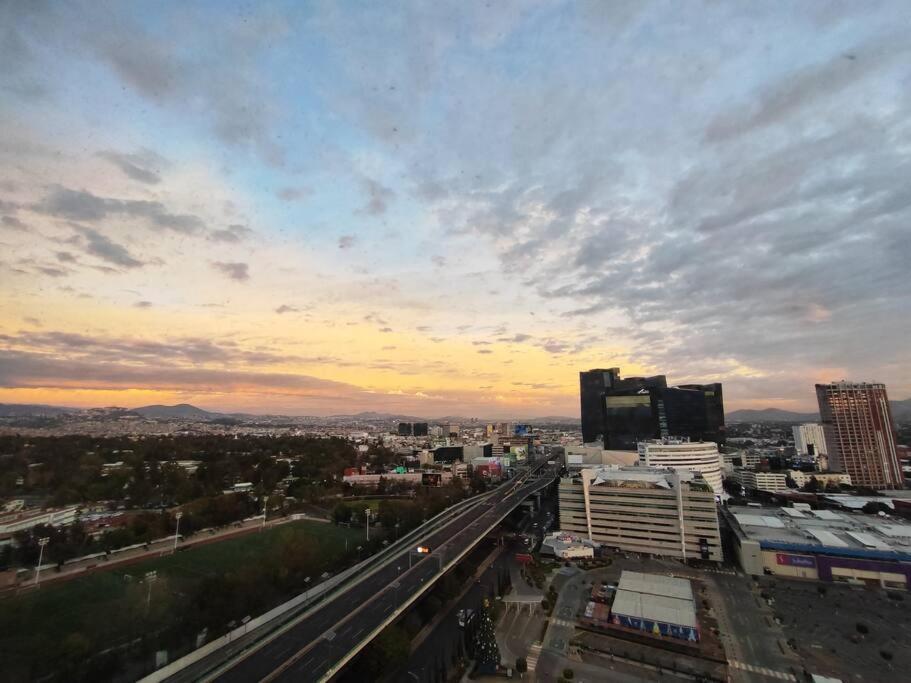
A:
x,y
487,652
387,653
521,665
812,486
341,513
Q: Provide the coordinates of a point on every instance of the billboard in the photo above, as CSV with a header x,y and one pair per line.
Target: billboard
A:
x,y
634,401
431,479
519,453
795,560
657,628
522,430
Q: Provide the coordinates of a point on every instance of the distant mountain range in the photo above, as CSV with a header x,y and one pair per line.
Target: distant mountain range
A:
x,y
185,411
770,415
30,410
901,411
180,411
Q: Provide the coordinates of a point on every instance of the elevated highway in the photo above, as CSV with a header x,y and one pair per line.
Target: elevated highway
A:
x,y
318,643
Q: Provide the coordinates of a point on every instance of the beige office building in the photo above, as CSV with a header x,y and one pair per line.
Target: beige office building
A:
x,y
643,510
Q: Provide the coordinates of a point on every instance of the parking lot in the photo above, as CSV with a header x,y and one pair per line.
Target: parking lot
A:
x,y
855,634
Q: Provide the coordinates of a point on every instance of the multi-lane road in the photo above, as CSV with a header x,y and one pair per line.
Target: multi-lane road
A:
x,y
315,646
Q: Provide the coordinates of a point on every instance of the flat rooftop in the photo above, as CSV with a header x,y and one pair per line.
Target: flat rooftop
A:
x,y
655,584
825,528
655,598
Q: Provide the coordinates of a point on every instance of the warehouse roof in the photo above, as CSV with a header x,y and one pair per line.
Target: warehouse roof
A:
x,y
654,602
655,584
826,530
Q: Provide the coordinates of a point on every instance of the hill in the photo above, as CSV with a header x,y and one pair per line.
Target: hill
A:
x,y
770,415
901,410
30,410
182,411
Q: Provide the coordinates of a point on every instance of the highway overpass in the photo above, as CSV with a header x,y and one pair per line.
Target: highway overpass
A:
x,y
317,644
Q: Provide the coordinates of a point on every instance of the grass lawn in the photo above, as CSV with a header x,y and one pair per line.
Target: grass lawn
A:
x,y
110,604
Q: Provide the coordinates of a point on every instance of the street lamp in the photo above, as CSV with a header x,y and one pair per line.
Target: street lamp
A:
x,y
177,530
150,578
396,531
306,587
265,502
43,541
367,518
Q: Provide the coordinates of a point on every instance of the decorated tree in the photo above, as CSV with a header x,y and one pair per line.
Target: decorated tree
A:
x,y
486,650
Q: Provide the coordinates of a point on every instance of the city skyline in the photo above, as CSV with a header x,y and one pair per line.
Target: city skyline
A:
x,y
283,214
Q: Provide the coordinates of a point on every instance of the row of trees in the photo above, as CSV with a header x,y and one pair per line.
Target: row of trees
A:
x,y
142,527
69,469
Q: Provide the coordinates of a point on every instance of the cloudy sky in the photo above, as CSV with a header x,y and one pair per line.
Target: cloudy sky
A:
x,y
450,208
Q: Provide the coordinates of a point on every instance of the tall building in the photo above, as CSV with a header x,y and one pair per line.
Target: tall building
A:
x,y
405,429
676,454
420,428
810,439
593,386
859,433
643,510
626,411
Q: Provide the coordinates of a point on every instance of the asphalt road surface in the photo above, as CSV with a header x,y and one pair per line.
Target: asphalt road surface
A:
x,y
310,649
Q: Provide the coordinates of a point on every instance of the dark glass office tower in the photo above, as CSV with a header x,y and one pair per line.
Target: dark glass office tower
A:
x,y
632,411
639,408
592,388
711,428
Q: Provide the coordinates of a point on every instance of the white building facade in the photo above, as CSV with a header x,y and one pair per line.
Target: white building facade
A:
x,y
643,510
807,435
677,454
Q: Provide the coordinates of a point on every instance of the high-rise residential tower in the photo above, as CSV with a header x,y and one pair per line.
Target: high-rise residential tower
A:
x,y
859,433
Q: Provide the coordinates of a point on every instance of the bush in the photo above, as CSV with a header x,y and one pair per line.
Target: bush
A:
x,y
568,674
885,654
862,629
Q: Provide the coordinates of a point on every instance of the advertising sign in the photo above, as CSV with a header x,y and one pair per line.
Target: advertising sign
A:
x,y
795,560
522,430
658,628
518,452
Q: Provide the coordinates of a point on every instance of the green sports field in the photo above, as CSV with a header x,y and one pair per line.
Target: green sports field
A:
x,y
60,621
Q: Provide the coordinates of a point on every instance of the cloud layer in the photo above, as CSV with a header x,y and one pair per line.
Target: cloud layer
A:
x,y
466,202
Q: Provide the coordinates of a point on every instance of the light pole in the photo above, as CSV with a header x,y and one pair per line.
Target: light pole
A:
x,y
43,541
265,502
306,587
396,531
177,530
367,518
150,578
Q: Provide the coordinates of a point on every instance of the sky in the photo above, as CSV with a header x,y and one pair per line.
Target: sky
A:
x,y
450,208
